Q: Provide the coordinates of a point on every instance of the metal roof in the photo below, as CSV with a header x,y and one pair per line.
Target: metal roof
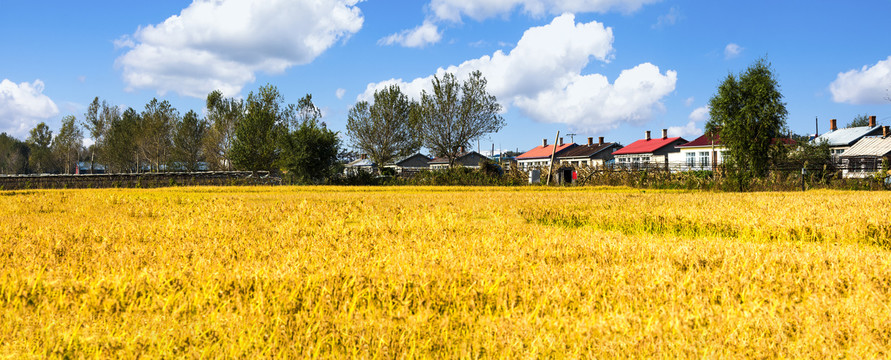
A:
x,y
871,146
644,146
360,162
847,136
541,152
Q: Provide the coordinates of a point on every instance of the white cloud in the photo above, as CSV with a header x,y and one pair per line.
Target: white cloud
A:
x,y
542,77
340,93
732,50
869,85
671,18
426,34
689,101
692,129
22,106
454,10
221,44
700,114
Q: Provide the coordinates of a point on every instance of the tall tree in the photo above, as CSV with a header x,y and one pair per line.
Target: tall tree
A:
x,y
39,140
188,139
223,114
121,142
155,133
14,155
254,146
454,115
97,120
308,148
387,129
749,113
68,143
95,125
859,120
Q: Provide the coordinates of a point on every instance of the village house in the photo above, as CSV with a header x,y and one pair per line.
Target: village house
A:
x,y
466,159
703,153
648,153
362,164
411,164
840,140
865,157
540,156
596,155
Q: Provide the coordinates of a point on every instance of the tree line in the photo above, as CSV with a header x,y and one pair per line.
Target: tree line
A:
x,y
259,133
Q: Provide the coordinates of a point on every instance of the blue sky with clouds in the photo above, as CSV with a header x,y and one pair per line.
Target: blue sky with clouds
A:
x,y
591,67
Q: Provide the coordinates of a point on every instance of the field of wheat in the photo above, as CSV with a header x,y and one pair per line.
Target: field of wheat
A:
x,y
403,272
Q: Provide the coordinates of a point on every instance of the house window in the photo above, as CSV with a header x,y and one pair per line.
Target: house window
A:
x,y
691,159
703,159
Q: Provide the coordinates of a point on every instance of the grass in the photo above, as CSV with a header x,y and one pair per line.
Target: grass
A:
x,y
382,272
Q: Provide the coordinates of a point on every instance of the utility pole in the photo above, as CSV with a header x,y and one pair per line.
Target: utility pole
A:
x,y
817,126
553,152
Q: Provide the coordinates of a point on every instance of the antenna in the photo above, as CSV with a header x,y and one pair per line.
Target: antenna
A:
x,y
571,137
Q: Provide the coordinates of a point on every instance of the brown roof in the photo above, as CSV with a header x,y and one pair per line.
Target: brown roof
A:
x,y
445,160
585,150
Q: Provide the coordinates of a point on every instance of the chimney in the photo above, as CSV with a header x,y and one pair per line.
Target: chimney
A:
x,y
885,131
544,142
665,133
590,141
462,149
600,140
363,156
648,135
560,142
872,121
832,125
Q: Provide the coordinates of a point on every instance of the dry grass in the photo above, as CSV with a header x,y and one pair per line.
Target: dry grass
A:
x,y
443,272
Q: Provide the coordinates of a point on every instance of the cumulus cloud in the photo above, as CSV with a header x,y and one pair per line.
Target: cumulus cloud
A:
x,y
454,10
869,85
689,101
22,106
340,93
222,44
692,129
732,50
542,77
426,34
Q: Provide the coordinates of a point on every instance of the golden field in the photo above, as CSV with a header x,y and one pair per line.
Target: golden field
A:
x,y
443,272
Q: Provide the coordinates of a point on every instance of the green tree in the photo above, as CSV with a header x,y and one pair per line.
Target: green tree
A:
x,y
188,139
68,143
155,133
859,120
454,115
749,113
14,155
254,146
96,126
39,140
223,114
309,150
121,142
387,129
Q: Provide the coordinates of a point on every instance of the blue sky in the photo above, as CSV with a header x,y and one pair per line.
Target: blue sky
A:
x,y
590,67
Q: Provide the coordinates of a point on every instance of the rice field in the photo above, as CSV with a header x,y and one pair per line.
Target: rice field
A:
x,y
443,272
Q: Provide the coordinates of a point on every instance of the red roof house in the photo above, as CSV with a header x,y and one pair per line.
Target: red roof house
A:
x,y
648,152
541,155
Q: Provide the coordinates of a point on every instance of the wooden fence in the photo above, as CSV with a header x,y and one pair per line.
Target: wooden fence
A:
x,y
140,180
